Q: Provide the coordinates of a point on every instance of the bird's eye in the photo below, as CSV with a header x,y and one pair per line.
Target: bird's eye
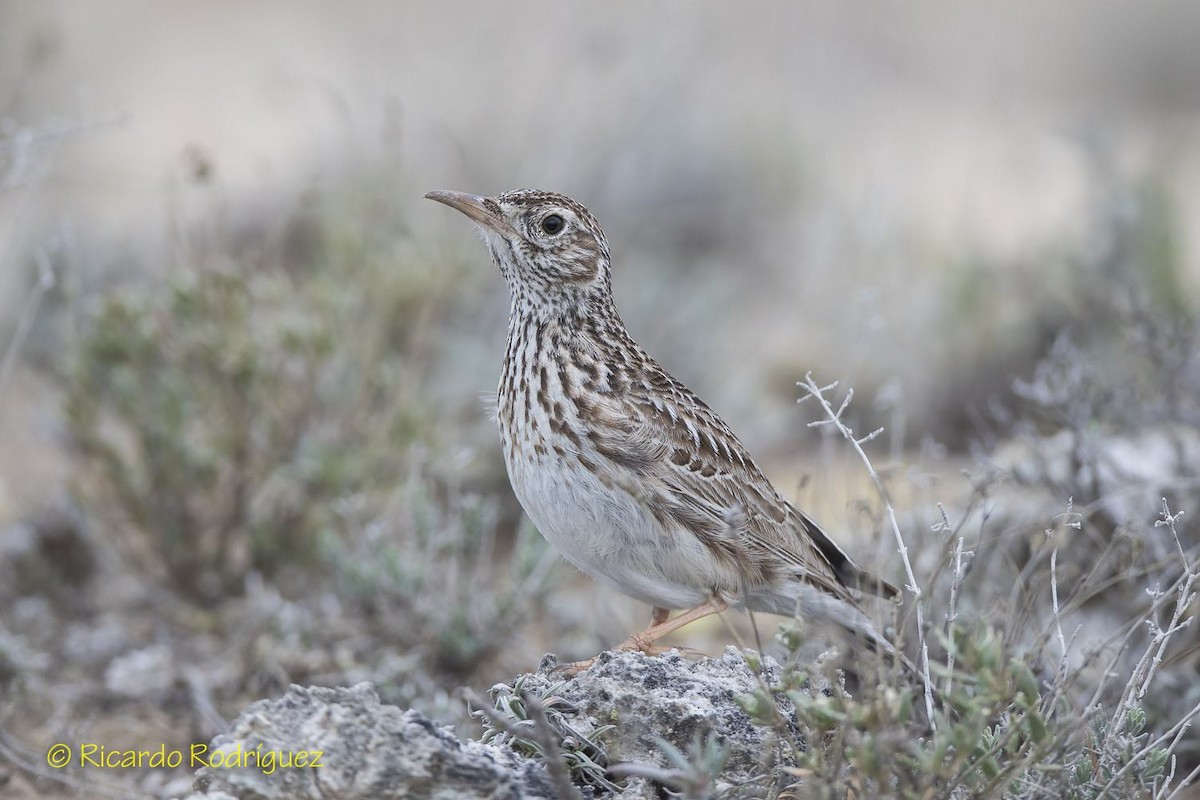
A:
x,y
553,223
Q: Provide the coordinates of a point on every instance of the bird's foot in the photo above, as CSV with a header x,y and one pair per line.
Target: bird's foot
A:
x,y
573,668
660,626
640,643
634,644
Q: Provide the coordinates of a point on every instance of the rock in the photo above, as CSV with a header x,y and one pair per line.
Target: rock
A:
x,y
367,750
651,700
141,673
381,752
1126,474
371,750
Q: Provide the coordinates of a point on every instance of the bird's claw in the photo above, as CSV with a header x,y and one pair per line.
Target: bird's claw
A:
x,y
634,644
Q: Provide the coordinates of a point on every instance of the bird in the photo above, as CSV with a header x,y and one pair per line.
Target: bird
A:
x,y
632,477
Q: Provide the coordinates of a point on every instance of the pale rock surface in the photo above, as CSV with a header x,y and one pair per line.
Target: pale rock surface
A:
x,y
372,750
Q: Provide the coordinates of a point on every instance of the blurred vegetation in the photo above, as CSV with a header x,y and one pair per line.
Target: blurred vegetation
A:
x,y
218,418
1000,734
431,574
256,425
257,435
516,718
252,437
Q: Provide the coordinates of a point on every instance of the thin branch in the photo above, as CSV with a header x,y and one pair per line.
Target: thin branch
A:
x,y
46,281
834,418
1186,782
952,611
1172,734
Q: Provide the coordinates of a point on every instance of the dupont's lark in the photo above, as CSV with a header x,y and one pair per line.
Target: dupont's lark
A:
x,y
628,473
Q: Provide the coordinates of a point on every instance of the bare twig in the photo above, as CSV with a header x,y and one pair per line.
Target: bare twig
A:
x,y
1161,792
1068,521
1186,782
31,154
834,418
959,562
1173,734
29,312
1146,667
952,611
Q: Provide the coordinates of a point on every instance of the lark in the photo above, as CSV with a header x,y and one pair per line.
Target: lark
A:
x,y
629,474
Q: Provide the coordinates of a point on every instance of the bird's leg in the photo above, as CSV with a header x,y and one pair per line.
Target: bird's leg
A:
x,y
660,626
658,616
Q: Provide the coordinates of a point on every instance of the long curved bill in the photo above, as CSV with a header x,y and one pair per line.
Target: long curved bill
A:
x,y
472,205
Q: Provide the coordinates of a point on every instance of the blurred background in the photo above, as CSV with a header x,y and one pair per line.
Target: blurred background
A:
x,y
241,436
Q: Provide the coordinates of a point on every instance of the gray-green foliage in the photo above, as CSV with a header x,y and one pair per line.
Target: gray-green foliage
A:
x,y
513,722
219,416
998,734
432,574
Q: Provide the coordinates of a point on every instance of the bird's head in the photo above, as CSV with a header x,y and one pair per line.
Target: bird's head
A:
x,y
549,248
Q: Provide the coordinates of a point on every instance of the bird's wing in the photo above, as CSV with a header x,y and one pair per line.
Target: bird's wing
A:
x,y
687,467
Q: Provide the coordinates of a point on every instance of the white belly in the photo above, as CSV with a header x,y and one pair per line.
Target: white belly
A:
x,y
605,532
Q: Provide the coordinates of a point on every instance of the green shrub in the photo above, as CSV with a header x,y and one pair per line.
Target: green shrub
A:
x,y
429,571
219,417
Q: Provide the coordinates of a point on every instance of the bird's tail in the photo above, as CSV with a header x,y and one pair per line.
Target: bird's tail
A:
x,y
850,574
807,602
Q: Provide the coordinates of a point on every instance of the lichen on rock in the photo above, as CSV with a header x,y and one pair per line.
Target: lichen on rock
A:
x,y
636,708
